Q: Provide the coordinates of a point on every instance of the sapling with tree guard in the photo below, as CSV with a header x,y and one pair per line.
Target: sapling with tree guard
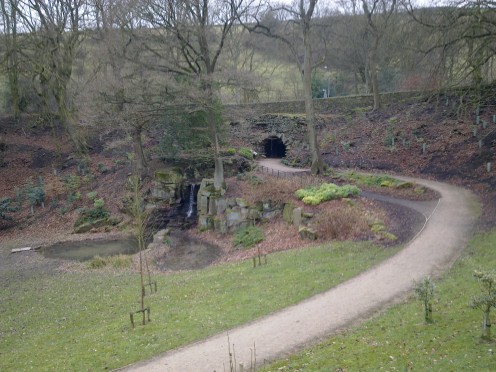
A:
x,y
140,216
424,290
486,300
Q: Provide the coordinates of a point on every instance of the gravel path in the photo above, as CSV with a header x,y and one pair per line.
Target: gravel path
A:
x,y
436,246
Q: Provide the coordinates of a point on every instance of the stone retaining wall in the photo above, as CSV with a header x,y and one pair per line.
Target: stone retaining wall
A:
x,y
243,111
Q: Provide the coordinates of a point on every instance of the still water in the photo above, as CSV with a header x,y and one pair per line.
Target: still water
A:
x,y
87,249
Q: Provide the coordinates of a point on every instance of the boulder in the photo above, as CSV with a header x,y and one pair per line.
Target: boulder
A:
x,y
169,176
296,217
307,233
220,205
287,212
220,225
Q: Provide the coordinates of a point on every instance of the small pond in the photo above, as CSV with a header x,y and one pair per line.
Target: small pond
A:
x,y
188,253
87,249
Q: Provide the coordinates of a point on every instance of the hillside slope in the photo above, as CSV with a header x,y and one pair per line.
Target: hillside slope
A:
x,y
427,138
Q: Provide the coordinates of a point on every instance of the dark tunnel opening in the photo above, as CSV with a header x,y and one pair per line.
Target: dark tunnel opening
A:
x,y
274,147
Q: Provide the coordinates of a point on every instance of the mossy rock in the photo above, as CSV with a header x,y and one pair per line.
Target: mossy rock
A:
x,y
242,203
220,225
174,176
287,212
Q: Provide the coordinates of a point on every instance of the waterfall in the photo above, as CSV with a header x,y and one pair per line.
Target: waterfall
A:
x,y
191,202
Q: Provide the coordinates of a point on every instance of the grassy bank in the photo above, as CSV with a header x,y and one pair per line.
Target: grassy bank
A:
x,y
80,321
401,340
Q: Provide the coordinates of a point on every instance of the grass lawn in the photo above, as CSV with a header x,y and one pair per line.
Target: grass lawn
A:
x,y
80,321
400,340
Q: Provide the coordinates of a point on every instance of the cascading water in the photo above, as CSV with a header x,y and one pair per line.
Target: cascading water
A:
x,y
192,201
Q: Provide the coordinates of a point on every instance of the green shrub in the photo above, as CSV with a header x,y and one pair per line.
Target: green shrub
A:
x,y
6,207
228,152
91,215
246,153
64,209
326,191
98,203
91,195
72,182
248,236
73,196
102,168
35,194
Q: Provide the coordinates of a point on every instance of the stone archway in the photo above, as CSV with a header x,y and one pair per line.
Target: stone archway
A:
x,y
274,147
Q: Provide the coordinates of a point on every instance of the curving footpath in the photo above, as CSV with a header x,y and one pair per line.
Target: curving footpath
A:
x,y
442,239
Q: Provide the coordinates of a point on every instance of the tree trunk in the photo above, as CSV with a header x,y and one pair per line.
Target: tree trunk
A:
x,y
68,121
10,28
373,77
140,160
3,151
486,325
318,165
219,182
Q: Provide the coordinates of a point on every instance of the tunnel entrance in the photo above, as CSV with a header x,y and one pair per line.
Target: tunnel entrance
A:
x,y
274,147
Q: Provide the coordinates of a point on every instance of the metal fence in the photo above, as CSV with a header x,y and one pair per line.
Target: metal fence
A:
x,y
282,174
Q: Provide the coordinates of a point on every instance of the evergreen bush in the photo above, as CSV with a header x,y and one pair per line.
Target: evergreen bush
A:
x,y
6,207
248,236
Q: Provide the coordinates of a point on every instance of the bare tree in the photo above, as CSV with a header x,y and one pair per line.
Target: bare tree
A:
x,y
188,39
56,31
10,19
378,14
124,85
462,42
297,35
